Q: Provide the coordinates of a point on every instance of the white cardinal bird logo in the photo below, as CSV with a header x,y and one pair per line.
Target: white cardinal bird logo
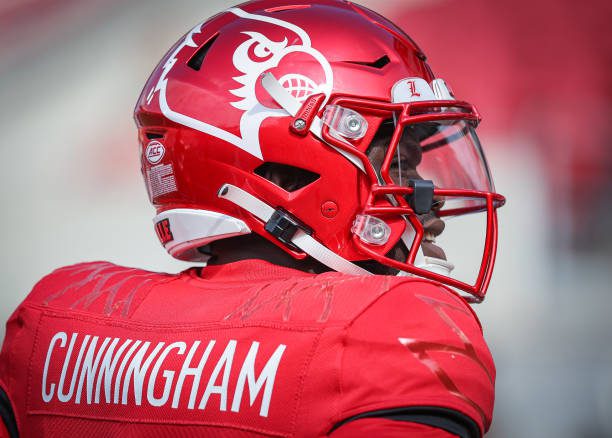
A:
x,y
255,56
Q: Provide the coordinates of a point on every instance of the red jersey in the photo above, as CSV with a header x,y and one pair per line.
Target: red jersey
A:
x,y
244,349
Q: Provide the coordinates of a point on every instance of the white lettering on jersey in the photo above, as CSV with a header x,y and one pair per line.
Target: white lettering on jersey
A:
x,y
138,370
90,366
188,371
224,363
63,397
122,367
168,375
47,396
96,364
107,369
247,375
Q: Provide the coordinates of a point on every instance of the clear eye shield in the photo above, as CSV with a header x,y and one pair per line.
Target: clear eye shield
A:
x,y
426,165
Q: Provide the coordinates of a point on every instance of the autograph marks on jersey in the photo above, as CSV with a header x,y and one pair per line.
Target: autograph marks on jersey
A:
x,y
307,294
116,286
116,371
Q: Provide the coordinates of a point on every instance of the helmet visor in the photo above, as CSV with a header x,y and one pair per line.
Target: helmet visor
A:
x,y
446,152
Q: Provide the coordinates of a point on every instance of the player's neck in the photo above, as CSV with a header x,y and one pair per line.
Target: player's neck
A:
x,y
253,246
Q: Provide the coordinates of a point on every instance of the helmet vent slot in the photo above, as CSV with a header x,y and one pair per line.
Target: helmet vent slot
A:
x,y
195,62
379,63
288,178
154,135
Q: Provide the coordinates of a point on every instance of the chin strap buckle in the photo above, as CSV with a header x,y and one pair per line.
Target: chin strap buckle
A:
x,y
286,225
422,195
283,226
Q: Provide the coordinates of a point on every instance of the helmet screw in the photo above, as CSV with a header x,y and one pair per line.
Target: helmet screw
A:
x,y
378,231
353,124
299,124
329,209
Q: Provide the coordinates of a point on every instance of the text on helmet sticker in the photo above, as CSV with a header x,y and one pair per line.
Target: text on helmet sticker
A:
x,y
154,152
163,231
160,180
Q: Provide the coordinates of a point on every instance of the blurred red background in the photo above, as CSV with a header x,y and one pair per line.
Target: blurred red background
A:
x,y
537,69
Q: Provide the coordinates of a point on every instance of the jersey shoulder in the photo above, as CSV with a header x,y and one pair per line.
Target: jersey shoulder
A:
x,y
106,289
414,297
420,345
95,287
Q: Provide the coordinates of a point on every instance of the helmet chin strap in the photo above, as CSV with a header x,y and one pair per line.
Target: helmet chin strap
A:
x,y
318,251
432,264
302,240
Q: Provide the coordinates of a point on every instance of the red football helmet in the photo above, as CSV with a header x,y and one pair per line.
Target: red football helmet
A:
x,y
339,98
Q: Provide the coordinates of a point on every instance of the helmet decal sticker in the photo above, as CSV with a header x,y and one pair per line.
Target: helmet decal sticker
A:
x,y
155,152
160,180
253,57
164,233
159,176
417,89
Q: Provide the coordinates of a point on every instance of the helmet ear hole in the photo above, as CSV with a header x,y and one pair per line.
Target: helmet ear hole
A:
x,y
288,178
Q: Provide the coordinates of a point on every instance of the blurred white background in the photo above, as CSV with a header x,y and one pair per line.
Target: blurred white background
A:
x,y
71,190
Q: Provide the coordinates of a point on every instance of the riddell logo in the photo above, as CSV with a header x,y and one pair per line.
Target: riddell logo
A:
x,y
155,152
162,228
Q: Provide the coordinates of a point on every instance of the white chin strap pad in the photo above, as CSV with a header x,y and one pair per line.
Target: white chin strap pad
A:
x,y
438,266
305,242
432,264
